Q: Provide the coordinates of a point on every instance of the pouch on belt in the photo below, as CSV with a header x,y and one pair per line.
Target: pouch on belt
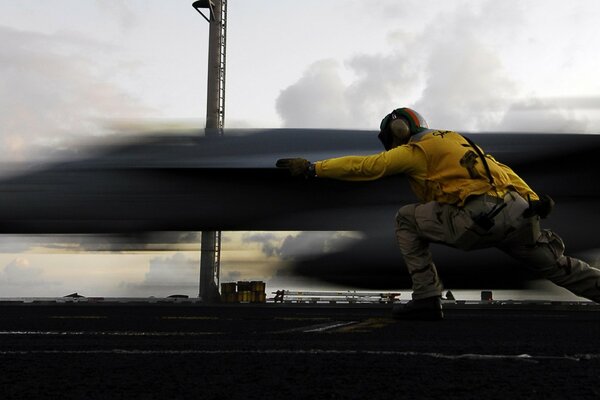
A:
x,y
526,230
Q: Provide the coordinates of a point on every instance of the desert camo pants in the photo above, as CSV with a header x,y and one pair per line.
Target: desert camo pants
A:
x,y
417,225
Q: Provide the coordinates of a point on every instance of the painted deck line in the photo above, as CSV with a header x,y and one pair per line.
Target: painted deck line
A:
x,y
468,356
96,333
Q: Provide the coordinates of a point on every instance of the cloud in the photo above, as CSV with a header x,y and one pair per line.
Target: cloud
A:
x,y
177,269
538,115
321,98
20,278
55,87
301,244
467,88
269,242
20,272
466,84
450,68
314,244
73,243
316,100
176,274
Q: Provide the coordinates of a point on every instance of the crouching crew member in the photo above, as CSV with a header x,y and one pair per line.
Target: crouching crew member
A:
x,y
468,200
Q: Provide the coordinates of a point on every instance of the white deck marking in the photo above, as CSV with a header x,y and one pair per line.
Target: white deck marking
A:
x,y
329,326
95,333
469,356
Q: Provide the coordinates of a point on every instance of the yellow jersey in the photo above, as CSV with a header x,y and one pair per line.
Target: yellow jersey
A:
x,y
441,166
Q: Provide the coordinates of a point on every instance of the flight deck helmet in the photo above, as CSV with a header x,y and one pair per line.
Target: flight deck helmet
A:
x,y
416,124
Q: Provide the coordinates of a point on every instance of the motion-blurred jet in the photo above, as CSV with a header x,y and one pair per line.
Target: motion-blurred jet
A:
x,y
197,182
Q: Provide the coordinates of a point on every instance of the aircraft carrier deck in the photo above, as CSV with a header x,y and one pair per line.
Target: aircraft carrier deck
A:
x,y
186,349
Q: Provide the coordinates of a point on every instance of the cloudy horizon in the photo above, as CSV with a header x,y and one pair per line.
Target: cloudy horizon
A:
x,y
82,69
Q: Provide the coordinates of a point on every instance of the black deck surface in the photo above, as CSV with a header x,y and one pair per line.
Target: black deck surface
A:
x,y
185,351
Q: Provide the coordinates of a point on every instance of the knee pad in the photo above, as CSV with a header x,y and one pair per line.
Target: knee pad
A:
x,y
406,213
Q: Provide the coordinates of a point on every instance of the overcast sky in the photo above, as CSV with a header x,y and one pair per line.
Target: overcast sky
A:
x,y
83,68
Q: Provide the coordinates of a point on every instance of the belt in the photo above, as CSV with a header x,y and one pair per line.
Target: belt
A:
x,y
488,198
492,199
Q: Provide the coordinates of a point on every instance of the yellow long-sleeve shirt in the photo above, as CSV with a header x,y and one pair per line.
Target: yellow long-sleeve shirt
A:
x,y
441,166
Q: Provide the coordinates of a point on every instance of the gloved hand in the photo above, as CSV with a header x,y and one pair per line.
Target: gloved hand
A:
x,y
297,166
542,207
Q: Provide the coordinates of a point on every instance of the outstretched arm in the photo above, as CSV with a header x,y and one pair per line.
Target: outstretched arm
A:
x,y
400,160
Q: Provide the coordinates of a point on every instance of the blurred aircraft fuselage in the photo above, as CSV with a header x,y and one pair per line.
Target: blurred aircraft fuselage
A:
x,y
194,183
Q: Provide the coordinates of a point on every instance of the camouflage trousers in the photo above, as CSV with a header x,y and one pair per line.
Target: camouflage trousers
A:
x,y
417,225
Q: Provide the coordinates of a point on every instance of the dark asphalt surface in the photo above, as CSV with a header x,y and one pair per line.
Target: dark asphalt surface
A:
x,y
185,351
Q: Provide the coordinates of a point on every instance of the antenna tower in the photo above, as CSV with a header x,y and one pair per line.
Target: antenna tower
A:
x,y
210,252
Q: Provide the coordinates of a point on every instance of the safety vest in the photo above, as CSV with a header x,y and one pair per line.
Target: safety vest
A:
x,y
455,170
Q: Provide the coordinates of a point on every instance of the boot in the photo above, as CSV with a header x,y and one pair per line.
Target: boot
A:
x,y
428,309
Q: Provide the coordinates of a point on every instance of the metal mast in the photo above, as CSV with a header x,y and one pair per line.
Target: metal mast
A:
x,y
210,253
